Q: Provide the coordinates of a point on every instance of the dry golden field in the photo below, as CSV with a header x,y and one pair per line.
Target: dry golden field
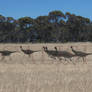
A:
x,y
43,74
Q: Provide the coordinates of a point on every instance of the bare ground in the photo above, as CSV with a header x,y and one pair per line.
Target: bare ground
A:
x,y
43,74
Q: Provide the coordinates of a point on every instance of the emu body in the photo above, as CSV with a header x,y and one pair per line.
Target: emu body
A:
x,y
80,54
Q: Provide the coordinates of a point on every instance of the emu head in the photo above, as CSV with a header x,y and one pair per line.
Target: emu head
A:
x,y
46,48
43,47
71,46
55,48
20,46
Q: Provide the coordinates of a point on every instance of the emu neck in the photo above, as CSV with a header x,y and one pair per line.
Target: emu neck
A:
x,y
21,49
73,50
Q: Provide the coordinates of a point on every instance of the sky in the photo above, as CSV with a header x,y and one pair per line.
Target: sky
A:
x,y
34,8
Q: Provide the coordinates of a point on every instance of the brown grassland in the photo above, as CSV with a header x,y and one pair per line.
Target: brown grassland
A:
x,y
44,74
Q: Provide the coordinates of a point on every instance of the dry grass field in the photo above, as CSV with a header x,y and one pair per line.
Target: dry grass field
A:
x,y
44,74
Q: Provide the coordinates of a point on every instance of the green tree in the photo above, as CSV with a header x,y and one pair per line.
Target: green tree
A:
x,y
56,17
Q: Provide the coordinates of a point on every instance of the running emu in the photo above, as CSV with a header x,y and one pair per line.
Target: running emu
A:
x,y
65,54
51,53
6,53
55,53
80,54
27,52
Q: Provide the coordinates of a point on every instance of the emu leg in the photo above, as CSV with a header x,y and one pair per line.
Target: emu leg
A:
x,y
66,60
60,58
72,61
84,60
32,57
53,57
42,56
78,58
3,57
63,61
10,58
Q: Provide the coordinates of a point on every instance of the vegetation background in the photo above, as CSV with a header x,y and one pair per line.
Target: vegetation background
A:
x,y
55,27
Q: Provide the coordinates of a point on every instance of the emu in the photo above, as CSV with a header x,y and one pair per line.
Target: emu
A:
x,y
50,53
65,54
6,53
80,54
59,54
28,51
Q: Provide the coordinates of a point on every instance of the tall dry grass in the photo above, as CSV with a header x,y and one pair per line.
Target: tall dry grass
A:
x,y
21,74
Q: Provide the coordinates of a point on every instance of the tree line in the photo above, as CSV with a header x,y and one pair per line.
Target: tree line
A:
x,y
54,27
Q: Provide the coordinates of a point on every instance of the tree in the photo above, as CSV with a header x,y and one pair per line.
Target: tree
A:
x,y
55,27
55,18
